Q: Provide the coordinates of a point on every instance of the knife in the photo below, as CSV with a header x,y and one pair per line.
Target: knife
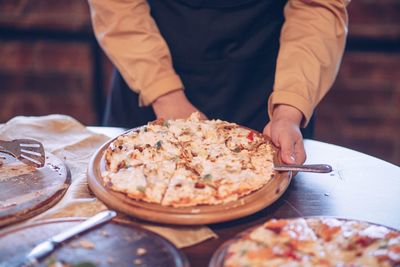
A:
x,y
44,248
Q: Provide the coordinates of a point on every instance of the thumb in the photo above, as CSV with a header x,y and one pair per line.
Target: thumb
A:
x,y
287,151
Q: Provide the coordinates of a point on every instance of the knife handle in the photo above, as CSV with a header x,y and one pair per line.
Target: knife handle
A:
x,y
318,168
89,223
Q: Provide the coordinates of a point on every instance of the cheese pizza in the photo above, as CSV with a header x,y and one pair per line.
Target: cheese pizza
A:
x,y
182,163
314,242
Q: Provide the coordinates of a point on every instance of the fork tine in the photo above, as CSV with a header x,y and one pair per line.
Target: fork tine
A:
x,y
29,145
38,163
31,152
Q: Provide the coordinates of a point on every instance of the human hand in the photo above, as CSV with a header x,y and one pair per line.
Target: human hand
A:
x,y
174,105
284,130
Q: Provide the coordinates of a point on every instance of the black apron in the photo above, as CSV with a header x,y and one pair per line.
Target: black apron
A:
x,y
225,53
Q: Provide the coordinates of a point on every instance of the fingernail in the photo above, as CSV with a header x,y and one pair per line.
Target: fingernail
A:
x,y
292,158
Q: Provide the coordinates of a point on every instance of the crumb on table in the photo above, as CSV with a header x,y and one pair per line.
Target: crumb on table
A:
x,y
105,233
140,251
137,261
86,244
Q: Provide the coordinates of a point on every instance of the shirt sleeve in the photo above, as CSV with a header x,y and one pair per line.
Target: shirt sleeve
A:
x,y
130,37
312,42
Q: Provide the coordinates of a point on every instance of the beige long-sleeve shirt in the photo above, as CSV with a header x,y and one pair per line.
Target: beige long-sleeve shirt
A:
x,y
311,47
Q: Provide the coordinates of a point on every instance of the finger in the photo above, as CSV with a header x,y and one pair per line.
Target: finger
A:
x,y
300,153
267,130
287,150
274,134
203,116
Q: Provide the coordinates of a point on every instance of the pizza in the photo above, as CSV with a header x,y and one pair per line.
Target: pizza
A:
x,y
314,242
188,162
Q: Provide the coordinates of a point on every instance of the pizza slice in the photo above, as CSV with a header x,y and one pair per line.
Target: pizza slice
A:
x,y
186,189
239,138
140,164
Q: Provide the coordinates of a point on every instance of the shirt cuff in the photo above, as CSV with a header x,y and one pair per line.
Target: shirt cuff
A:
x,y
159,88
294,100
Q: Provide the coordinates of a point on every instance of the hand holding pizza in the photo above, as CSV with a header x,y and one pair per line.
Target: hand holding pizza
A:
x,y
284,130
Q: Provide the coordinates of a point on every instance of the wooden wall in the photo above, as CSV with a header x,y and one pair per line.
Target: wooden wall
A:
x,y
362,110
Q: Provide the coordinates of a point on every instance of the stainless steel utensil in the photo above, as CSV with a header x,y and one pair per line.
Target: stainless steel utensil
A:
x,y
319,168
46,247
29,151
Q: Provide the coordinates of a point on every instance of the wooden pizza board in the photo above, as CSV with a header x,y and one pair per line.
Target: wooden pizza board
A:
x,y
26,191
198,215
113,244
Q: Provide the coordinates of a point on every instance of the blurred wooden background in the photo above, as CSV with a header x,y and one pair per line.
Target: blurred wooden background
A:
x,y
51,63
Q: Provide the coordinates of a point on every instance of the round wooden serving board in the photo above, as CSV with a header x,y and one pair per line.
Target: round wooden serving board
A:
x,y
26,191
198,215
112,244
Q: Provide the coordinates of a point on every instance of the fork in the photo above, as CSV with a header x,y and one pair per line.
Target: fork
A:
x,y
29,151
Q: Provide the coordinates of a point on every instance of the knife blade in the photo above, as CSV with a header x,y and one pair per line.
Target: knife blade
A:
x,y
45,247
